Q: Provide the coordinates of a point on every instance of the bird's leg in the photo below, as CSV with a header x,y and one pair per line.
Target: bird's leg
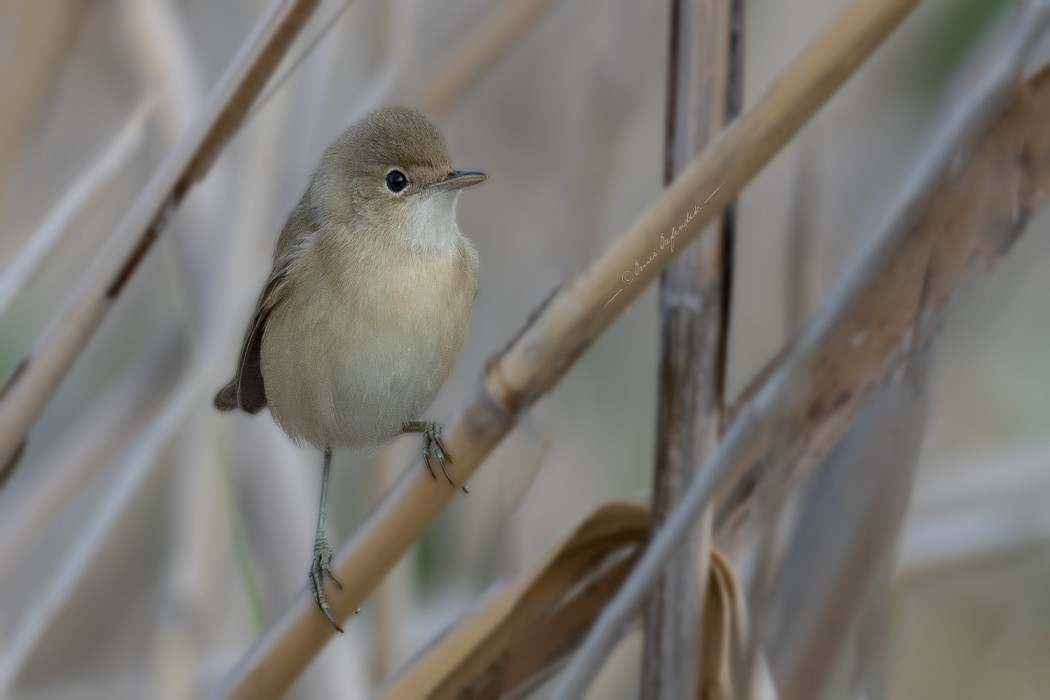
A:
x,y
433,445
322,563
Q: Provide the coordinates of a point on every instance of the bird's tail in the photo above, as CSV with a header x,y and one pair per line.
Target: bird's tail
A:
x,y
226,399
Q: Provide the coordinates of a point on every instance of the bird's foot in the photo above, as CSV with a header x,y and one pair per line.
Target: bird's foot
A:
x,y
433,446
320,569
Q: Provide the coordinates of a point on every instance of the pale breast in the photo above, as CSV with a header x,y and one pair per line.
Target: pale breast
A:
x,y
365,340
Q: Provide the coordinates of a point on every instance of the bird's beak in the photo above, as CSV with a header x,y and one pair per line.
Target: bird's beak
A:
x,y
458,179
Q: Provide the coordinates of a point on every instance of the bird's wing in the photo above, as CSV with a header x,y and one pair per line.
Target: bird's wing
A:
x,y
246,390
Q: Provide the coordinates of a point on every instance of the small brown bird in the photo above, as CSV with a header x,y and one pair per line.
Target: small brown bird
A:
x,y
368,303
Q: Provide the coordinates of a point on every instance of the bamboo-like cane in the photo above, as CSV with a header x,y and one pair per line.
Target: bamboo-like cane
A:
x,y
37,377
704,70
562,330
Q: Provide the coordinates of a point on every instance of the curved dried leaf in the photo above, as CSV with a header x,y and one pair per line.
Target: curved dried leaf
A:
x,y
521,631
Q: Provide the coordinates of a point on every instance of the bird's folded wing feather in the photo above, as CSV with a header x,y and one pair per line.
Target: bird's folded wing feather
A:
x,y
246,391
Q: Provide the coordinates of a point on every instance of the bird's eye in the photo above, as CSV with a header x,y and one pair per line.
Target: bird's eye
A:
x,y
396,181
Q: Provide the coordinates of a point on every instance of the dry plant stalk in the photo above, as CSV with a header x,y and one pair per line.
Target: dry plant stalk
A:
x,y
522,631
564,327
36,378
694,310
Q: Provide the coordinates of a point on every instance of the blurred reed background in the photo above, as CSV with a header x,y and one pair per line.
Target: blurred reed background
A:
x,y
145,540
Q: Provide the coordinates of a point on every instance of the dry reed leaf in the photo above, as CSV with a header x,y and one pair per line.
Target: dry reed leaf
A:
x,y
522,631
973,217
723,624
528,626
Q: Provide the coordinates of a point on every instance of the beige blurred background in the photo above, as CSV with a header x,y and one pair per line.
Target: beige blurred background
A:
x,y
146,540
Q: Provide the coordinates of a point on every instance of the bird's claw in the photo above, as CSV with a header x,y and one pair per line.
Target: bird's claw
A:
x,y
434,448
321,569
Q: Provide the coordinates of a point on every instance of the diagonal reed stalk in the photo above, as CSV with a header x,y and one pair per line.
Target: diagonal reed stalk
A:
x,y
558,333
